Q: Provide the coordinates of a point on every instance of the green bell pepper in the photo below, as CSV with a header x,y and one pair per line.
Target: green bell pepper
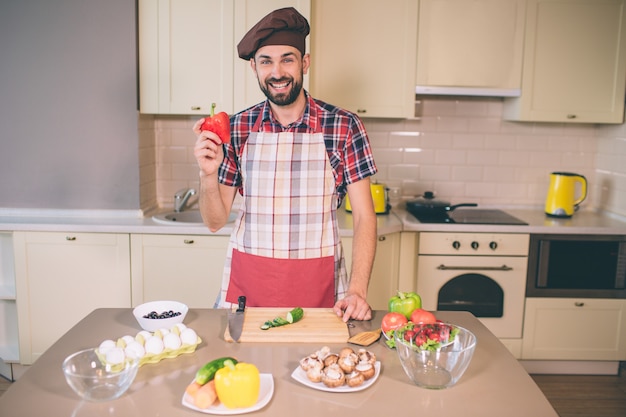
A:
x,y
405,303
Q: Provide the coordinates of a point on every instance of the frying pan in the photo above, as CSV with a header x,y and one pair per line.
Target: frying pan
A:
x,y
428,206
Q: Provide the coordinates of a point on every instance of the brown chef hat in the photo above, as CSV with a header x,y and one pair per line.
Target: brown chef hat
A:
x,y
280,27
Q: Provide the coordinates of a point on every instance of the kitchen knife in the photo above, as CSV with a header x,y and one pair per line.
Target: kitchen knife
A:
x,y
235,319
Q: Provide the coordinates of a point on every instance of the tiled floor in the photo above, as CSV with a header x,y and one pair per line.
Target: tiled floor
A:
x,y
586,395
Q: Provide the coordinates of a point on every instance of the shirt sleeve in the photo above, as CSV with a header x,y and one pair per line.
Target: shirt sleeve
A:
x,y
229,173
358,158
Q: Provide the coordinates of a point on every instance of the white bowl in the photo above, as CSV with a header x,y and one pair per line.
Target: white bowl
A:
x,y
154,324
95,380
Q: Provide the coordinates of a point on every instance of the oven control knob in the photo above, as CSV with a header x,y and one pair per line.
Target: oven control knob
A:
x,y
456,244
493,245
474,245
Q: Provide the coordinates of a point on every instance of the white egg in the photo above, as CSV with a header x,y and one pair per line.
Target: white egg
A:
x,y
189,336
105,346
154,345
128,339
142,336
180,327
171,341
115,356
135,350
161,333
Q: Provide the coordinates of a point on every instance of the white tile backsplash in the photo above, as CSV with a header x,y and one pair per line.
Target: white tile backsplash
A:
x,y
461,149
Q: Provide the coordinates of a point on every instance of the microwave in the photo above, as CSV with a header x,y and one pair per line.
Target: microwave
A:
x,y
580,266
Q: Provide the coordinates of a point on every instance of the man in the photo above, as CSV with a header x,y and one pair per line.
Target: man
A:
x,y
293,159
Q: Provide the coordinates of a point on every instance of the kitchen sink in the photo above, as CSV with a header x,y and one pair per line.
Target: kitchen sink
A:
x,y
187,218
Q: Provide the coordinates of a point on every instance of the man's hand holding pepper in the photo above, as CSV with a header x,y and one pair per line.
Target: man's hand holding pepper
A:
x,y
212,131
208,150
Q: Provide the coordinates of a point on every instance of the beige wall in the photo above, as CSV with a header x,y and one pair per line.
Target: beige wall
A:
x,y
611,168
460,148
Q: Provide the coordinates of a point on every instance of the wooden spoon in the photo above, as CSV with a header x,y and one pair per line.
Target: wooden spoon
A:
x,y
365,338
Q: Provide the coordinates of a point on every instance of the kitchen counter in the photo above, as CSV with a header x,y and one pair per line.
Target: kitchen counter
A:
x,y
494,384
103,221
583,222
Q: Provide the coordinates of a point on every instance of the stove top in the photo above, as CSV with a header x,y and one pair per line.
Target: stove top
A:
x,y
474,216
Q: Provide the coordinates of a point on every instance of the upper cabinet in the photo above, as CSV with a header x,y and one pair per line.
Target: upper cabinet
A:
x,y
574,63
185,56
363,55
470,47
188,54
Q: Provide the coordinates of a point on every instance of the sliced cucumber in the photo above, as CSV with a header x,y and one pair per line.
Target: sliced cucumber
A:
x,y
292,316
295,315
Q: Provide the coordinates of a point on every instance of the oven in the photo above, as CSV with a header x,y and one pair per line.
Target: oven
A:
x,y
483,273
577,266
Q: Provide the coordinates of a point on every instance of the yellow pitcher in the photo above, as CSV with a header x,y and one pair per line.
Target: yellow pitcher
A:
x,y
562,200
379,198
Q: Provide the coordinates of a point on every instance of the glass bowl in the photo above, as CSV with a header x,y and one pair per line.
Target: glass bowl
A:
x,y
95,380
434,355
178,309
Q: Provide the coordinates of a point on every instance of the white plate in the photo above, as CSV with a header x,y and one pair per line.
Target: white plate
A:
x,y
299,375
265,395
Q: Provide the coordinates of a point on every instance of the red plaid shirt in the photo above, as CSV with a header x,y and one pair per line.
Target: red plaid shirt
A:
x,y
346,141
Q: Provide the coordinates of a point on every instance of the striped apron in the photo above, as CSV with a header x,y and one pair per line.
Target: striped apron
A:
x,y
285,249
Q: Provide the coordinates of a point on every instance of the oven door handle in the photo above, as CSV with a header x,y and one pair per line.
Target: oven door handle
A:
x,y
443,267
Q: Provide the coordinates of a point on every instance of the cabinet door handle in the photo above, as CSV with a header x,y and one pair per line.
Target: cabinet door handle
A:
x,y
571,116
361,111
70,238
196,108
442,267
382,238
188,241
579,304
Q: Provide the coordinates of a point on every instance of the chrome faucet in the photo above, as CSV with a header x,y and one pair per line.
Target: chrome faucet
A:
x,y
181,198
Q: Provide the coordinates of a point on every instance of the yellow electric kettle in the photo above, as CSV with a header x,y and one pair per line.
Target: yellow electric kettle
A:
x,y
563,198
379,198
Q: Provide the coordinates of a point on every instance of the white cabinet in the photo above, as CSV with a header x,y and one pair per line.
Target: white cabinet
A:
x,y
384,278
470,45
363,55
182,268
62,277
9,347
185,56
574,329
188,54
407,261
574,63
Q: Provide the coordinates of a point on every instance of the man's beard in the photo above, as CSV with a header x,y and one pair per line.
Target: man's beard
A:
x,y
282,99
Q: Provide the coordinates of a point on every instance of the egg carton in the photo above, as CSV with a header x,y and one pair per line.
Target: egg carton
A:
x,y
121,356
169,353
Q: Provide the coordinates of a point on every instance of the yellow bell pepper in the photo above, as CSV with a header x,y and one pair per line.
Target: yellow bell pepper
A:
x,y
238,385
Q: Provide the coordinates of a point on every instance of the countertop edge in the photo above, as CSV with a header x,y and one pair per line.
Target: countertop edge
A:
x,y
103,221
398,220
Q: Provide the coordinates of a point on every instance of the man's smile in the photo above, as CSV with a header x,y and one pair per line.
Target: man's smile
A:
x,y
279,85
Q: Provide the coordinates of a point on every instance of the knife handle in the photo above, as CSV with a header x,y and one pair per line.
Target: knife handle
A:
x,y
241,303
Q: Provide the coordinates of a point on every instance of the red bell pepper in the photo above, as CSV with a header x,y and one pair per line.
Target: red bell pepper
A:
x,y
217,123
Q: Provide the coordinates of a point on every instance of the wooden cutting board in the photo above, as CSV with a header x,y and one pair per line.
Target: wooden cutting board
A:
x,y
318,325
